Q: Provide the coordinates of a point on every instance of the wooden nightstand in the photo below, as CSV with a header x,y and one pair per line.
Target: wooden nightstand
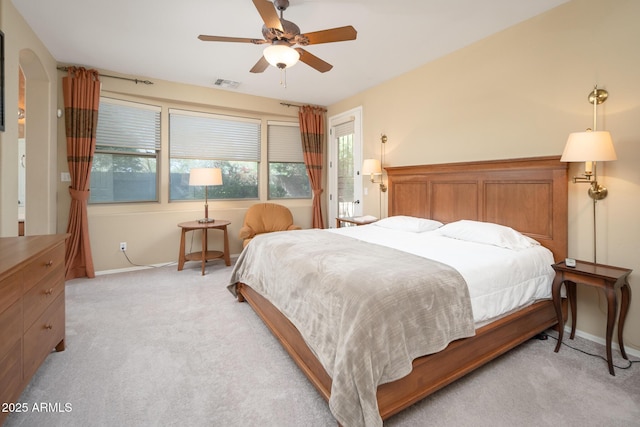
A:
x,y
605,277
355,220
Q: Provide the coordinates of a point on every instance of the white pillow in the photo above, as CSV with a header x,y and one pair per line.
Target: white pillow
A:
x,y
408,223
487,233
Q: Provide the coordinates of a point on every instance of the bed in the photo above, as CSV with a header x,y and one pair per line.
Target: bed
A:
x,y
528,195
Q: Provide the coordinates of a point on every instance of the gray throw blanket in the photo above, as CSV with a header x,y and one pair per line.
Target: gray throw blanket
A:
x,y
366,311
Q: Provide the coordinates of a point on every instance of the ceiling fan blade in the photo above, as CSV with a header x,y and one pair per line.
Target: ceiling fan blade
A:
x,y
260,66
339,34
313,61
206,38
269,15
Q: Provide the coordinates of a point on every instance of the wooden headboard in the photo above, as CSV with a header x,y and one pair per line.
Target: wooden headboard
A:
x,y
528,195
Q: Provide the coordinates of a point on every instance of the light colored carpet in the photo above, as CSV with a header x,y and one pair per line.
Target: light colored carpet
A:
x,y
160,347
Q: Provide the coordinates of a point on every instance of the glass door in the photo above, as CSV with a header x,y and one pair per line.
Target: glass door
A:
x,y
345,154
347,200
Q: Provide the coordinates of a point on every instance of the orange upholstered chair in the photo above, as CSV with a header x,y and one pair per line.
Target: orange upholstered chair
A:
x,y
265,218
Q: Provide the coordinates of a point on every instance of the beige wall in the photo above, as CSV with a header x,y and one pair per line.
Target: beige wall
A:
x,y
518,94
22,48
150,229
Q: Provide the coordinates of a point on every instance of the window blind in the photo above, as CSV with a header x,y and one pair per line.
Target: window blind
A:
x,y
344,129
194,135
284,142
128,125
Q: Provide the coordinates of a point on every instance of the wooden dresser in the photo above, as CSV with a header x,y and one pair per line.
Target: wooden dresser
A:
x,y
32,313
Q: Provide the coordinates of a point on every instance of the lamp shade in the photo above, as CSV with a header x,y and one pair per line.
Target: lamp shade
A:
x,y
589,146
371,167
205,176
281,56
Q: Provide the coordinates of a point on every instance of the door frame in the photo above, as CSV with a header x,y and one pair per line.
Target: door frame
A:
x,y
354,114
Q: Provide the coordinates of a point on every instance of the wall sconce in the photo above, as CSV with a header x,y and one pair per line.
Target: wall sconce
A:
x,y
206,177
21,113
373,167
591,146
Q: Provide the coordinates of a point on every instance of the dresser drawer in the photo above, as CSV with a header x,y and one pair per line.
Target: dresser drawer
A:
x,y
43,265
38,298
45,334
10,327
31,290
11,373
10,290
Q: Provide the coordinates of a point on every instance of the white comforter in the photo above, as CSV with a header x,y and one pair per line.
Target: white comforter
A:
x,y
500,280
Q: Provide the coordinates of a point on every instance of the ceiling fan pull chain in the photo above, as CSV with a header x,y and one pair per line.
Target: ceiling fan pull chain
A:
x,y
283,77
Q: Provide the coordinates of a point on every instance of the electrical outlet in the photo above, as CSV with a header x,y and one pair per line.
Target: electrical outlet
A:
x,y
123,246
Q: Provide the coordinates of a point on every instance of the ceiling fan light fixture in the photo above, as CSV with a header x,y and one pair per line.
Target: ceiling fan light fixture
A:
x,y
280,35
281,56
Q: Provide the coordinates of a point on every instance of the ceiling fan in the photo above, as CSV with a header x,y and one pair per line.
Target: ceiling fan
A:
x,y
281,35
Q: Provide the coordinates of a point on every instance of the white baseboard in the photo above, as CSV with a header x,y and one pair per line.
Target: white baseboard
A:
x,y
144,267
133,268
614,344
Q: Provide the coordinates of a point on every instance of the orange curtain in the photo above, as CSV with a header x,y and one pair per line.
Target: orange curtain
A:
x,y
81,90
313,138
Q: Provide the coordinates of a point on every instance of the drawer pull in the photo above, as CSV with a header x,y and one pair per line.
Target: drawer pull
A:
x,y
48,291
49,264
49,326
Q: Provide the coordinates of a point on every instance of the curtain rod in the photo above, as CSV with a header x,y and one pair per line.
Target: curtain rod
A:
x,y
136,81
286,104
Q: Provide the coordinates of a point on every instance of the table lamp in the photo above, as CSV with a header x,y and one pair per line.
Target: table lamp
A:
x,y
206,177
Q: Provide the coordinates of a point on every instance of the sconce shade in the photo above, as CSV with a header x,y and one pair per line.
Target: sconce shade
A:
x,y
281,56
371,167
589,146
205,176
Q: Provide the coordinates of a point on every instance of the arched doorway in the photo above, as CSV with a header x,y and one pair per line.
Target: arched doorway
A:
x,y
22,155
40,150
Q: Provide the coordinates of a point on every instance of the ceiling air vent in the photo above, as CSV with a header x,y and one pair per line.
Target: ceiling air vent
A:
x,y
227,84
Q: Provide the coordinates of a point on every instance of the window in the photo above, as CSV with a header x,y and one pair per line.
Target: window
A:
x,y
202,140
288,177
125,160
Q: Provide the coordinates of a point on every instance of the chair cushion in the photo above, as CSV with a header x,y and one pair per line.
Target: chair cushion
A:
x,y
267,217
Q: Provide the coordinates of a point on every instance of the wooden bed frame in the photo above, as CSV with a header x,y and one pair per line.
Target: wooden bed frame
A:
x,y
529,195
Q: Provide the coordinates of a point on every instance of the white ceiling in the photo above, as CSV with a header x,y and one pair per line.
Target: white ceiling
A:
x,y
157,39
